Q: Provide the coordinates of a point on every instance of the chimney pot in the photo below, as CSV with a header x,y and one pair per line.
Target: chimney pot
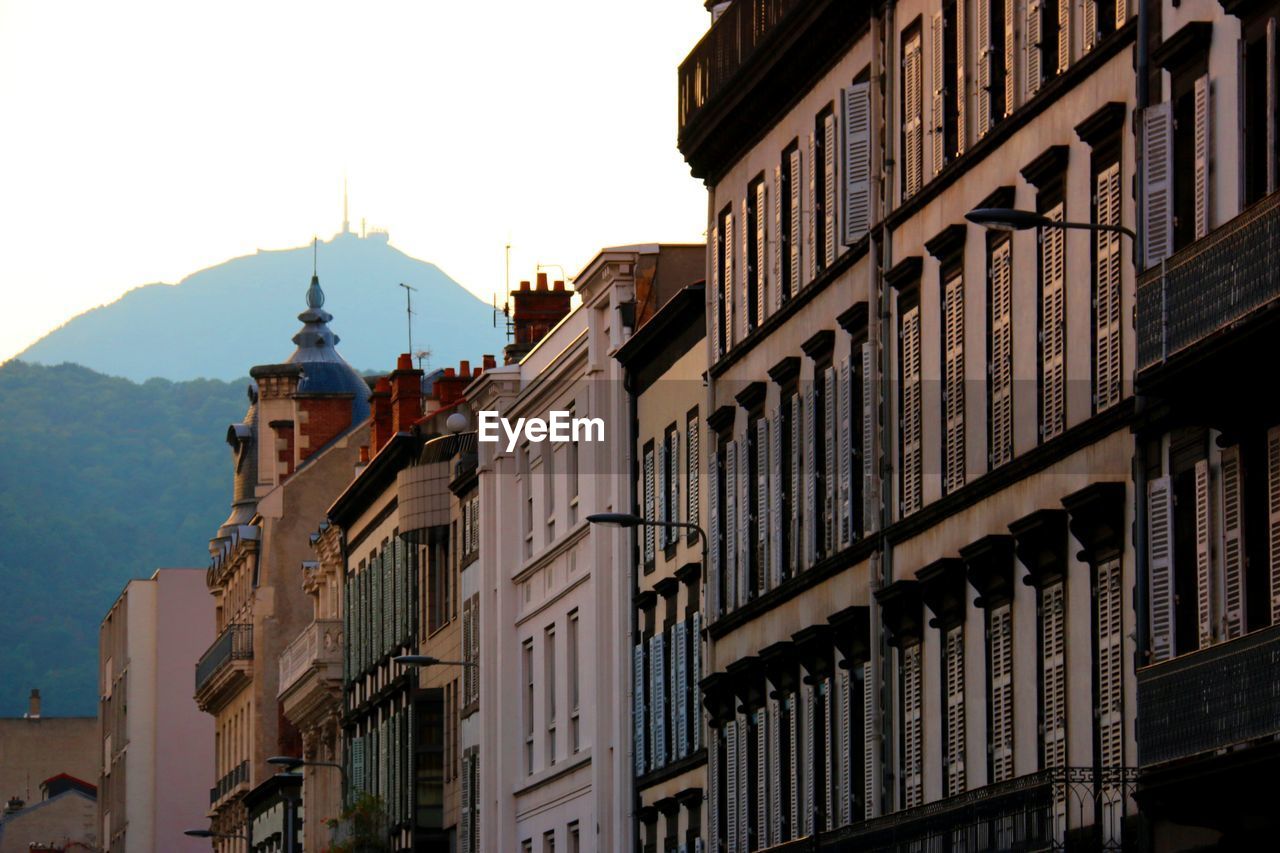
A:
x,y
464,368
448,371
559,285
542,281
490,362
33,704
404,362
364,454
524,285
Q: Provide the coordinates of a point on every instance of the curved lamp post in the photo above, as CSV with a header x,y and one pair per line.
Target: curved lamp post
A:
x,y
1009,219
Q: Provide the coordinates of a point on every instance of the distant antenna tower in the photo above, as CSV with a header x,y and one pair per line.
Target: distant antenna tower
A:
x,y
408,309
422,355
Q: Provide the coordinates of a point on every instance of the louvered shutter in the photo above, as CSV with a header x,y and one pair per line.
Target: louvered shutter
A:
x,y
811,214
962,88
844,741
762,248
780,243
744,783
794,771
744,519
810,520
731,526
1110,664
1034,39
762,550
936,68
1011,9
1202,155
798,452
869,741
1122,13
1205,593
985,51
844,453
857,162
829,211
638,720
1001,627
729,266
1053,327
810,757
913,129
955,710
1160,567
762,779
743,298
869,509
1089,37
911,415
1233,544
358,764
1001,354
693,473
464,822
829,759
389,599
717,293
776,519
1157,183
657,700
680,688
403,598
695,679
830,437
348,666
475,525
796,220
649,490
663,494
953,391
1064,35
1273,519
673,484
714,788
773,824
913,732
1054,673
731,784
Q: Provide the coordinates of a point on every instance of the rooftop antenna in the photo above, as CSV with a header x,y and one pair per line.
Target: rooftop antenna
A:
x,y
408,308
315,264
564,275
346,221
506,305
422,355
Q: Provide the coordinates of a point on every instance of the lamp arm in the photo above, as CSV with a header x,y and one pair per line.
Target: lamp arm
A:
x,y
1093,226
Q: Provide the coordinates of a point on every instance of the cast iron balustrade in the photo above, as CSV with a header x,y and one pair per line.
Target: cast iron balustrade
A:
x,y
235,643
320,643
1211,699
1210,284
238,775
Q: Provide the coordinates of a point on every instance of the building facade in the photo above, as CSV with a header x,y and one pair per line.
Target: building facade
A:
x,y
920,590
156,745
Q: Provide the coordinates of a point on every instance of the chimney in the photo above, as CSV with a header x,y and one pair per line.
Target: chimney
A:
x,y
490,362
380,403
406,394
33,704
534,312
449,386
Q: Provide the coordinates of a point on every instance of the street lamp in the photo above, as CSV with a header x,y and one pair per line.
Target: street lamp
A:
x,y
208,833
429,660
291,763
626,519
1008,219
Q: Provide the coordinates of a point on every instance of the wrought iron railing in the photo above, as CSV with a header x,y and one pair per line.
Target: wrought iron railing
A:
x,y
235,643
727,45
1072,808
1211,699
1210,284
238,775
319,642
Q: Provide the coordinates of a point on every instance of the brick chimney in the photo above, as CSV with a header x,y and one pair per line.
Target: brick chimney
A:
x,y
380,410
406,394
33,704
534,312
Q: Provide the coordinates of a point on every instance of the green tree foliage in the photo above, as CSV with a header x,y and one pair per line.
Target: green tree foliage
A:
x,y
364,827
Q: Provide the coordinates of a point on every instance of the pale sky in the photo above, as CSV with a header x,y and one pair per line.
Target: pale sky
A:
x,y
143,140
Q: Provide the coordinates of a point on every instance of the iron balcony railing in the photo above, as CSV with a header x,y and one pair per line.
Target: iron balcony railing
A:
x,y
1210,284
728,44
1072,808
319,642
238,775
235,643
1210,700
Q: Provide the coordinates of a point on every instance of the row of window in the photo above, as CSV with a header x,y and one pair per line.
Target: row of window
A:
x,y
548,686
667,714
470,643
542,466
378,616
469,807
383,761
660,488
573,840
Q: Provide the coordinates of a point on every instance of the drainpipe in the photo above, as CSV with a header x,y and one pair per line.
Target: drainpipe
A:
x,y
1139,529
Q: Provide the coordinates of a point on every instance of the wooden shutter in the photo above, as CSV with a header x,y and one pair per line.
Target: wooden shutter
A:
x,y
793,769
1001,628
844,751
744,519
662,494
1205,598
955,710
1157,183
811,214
962,87
985,51
1160,568
1202,155
639,719
1234,595
1011,10
780,244
869,741
762,551
798,453
937,66
1089,37
1001,371
657,699
1054,674
911,414
762,778
796,222
827,747
1122,13
953,390
762,248
857,162
1064,35
717,293
810,757
730,560
744,784
829,189
844,453
1053,328
1107,259
913,126
869,509
729,249
1033,37
649,501
912,727
774,758
714,788
693,473
810,475
464,822
695,679
679,692
776,519
744,295
716,525
1273,519
1110,664
830,438
734,820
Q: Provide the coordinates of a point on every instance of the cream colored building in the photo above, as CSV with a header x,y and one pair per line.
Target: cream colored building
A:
x,y
156,746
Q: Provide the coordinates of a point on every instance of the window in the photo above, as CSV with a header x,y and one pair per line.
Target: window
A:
x,y
722,278
1000,675
953,452
549,841
527,659
1042,42
953,723
1052,316
1000,350
992,35
549,488
574,687
669,488
912,111
549,685
571,477
789,230
526,499
439,573
1258,38
574,841
648,493
910,403
753,284
1107,261
692,474
947,59
912,728
824,181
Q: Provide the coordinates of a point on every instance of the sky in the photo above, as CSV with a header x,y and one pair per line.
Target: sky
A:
x,y
144,140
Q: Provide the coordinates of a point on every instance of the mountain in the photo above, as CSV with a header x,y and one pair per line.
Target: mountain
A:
x,y
101,480
219,322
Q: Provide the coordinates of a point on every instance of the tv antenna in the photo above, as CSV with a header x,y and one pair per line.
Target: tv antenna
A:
x,y
408,309
506,305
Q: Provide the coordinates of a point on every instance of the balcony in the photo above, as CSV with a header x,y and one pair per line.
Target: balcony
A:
x,y
751,64
311,671
224,666
1210,700
231,782
1210,286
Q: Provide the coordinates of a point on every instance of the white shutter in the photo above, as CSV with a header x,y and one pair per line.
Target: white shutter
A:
x,y
744,785
776,519
1273,519
811,214
810,476
1054,673
913,128
695,681
1064,35
713,790
1122,13
1110,664
649,529
869,509
762,550
464,822
911,414
1011,10
1001,627
730,559
1089,37
1157,183
830,438
953,390
936,68
744,520
693,473
717,293
774,757
1234,600
1205,597
779,240
733,820
638,720
868,742
1202,155
829,190
1160,567
1107,377
762,778
657,699
796,222
844,736
857,162
798,452
762,249
844,453
673,484
912,727
794,768
680,691
810,756
1053,330
823,689
729,249
663,493
962,88
985,50
744,297
1033,37
1001,354
955,710
714,605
